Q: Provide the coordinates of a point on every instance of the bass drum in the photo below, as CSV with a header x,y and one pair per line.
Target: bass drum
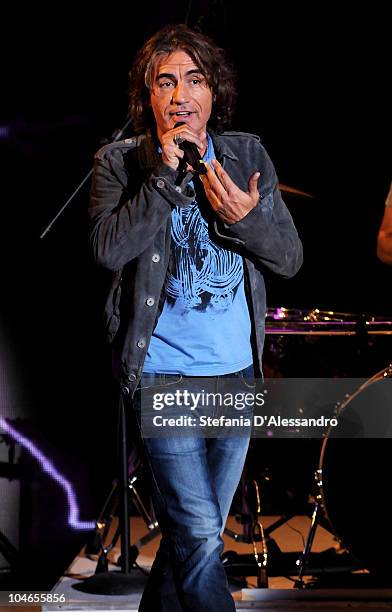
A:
x,y
354,473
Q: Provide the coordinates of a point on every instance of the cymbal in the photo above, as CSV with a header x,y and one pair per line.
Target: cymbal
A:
x,y
294,191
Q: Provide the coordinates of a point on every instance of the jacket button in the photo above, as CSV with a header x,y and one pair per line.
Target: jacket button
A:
x,y
160,183
131,377
178,188
155,258
150,301
141,343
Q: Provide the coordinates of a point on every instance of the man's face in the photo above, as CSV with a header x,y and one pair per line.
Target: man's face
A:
x,y
179,92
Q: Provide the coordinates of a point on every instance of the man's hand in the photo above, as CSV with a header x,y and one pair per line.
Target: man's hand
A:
x,y
171,152
229,202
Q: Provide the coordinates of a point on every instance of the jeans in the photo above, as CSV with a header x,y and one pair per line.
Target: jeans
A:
x,y
193,481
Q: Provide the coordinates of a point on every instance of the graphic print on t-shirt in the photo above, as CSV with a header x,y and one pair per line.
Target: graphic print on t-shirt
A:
x,y
202,274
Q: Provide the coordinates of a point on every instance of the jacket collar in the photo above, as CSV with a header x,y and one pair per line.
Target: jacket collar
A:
x,y
149,157
222,147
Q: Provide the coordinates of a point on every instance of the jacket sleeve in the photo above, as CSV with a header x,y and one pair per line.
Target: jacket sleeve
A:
x,y
267,233
121,224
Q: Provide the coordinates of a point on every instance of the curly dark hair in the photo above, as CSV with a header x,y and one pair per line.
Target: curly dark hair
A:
x,y
207,56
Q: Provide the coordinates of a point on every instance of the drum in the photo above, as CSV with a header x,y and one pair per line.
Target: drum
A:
x,y
354,474
324,343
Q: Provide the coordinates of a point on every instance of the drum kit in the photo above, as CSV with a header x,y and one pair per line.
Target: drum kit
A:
x,y
348,473
349,486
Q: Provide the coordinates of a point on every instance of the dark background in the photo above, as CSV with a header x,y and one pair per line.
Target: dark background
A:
x,y
312,84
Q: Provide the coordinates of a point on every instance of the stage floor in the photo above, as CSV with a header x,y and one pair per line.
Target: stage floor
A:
x,y
344,590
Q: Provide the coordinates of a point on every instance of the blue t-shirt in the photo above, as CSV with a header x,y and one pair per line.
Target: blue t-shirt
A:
x,y
204,327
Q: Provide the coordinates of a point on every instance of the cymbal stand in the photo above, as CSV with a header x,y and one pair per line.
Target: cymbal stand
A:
x,y
105,519
302,560
253,532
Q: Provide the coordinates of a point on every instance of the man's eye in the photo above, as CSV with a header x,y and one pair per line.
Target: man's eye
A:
x,y
196,81
165,84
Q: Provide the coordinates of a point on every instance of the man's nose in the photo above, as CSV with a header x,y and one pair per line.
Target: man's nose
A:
x,y
180,93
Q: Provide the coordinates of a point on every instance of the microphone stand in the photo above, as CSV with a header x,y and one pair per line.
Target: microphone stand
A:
x,y
111,582
117,135
116,582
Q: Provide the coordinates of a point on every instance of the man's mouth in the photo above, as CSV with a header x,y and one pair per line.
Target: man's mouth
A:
x,y
182,114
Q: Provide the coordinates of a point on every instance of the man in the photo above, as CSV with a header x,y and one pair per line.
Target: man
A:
x,y
384,237
188,252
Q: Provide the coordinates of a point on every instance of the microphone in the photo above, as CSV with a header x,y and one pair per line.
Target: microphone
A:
x,y
191,153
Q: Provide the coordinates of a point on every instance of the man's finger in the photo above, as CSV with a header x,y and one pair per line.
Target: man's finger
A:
x,y
252,184
215,183
224,178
